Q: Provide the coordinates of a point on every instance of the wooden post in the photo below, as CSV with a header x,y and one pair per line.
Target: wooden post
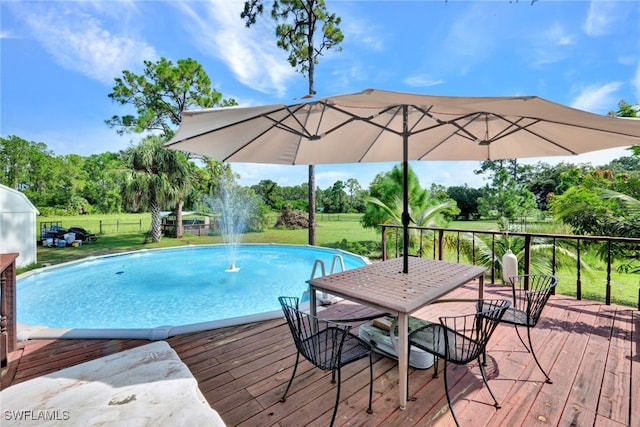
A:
x,y
384,243
8,332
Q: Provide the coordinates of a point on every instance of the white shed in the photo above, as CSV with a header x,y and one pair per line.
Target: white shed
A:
x,y
18,226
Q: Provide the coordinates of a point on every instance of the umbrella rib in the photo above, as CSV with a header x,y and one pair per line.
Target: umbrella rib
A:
x,y
514,126
354,117
292,113
381,128
309,136
276,124
217,129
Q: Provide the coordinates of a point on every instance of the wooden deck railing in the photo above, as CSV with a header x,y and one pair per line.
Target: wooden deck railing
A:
x,y
7,306
434,239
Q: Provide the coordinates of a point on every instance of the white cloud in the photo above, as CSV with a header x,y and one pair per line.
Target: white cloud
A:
x,y
250,53
80,42
468,43
362,34
636,83
85,140
284,175
558,36
597,99
5,34
326,179
601,18
551,46
422,80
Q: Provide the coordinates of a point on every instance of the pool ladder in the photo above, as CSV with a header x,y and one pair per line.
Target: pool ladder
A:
x,y
323,297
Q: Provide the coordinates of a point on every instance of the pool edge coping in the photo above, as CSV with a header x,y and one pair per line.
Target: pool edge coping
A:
x,y
152,334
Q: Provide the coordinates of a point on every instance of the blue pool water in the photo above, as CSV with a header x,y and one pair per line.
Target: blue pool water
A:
x,y
153,288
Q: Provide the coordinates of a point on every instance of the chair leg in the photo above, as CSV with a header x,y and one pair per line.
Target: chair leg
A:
x,y
521,340
335,407
446,392
435,367
484,378
370,409
295,368
548,380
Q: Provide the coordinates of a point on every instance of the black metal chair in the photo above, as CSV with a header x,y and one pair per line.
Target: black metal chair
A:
x,y
461,339
327,344
530,294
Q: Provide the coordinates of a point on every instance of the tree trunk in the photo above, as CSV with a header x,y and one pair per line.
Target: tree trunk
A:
x,y
179,226
312,206
156,222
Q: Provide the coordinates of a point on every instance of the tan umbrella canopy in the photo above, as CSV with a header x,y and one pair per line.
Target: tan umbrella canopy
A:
x,y
381,126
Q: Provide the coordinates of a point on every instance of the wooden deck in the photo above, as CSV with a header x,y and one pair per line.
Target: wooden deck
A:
x,y
592,352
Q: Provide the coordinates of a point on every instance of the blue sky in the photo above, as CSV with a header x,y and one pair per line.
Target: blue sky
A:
x,y
59,60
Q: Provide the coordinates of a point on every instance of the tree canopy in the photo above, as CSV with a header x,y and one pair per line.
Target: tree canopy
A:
x,y
160,94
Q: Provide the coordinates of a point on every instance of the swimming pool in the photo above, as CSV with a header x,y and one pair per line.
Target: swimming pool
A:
x,y
164,292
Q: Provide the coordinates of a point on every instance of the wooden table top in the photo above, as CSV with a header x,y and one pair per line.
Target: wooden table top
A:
x,y
383,284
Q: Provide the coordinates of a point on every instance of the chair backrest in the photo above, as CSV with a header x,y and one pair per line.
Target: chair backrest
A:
x,y
531,293
466,336
320,341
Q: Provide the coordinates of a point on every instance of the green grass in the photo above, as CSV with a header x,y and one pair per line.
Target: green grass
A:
x,y
102,224
342,231
331,231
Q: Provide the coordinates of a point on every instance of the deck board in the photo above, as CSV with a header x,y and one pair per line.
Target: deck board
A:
x,y
590,350
634,361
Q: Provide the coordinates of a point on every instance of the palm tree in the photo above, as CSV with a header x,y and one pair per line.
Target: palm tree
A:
x,y
488,251
155,178
424,209
626,227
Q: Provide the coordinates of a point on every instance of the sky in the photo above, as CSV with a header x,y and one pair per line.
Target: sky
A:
x,y
59,59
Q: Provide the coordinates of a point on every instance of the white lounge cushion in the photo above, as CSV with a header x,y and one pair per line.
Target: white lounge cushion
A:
x,y
143,386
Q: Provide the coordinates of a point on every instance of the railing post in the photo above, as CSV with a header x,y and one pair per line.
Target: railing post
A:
x,y
8,332
493,264
471,250
526,268
433,243
384,243
553,263
578,279
607,298
473,247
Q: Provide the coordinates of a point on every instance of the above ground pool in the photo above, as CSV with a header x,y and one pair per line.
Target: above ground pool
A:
x,y
163,292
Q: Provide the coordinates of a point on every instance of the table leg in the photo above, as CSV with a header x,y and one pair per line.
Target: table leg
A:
x,y
481,286
403,357
312,301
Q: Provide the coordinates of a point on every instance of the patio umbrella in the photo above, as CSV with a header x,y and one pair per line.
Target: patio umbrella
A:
x,y
381,126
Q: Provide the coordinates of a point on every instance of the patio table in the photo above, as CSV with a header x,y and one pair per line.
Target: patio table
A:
x,y
383,286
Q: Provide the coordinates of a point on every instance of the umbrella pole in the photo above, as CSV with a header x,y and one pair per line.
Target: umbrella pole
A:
x,y
405,189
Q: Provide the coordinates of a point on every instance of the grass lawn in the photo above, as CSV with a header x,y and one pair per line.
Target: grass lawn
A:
x,y
331,231
342,231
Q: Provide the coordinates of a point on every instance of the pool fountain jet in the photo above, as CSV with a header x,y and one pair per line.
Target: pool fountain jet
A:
x,y
234,207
